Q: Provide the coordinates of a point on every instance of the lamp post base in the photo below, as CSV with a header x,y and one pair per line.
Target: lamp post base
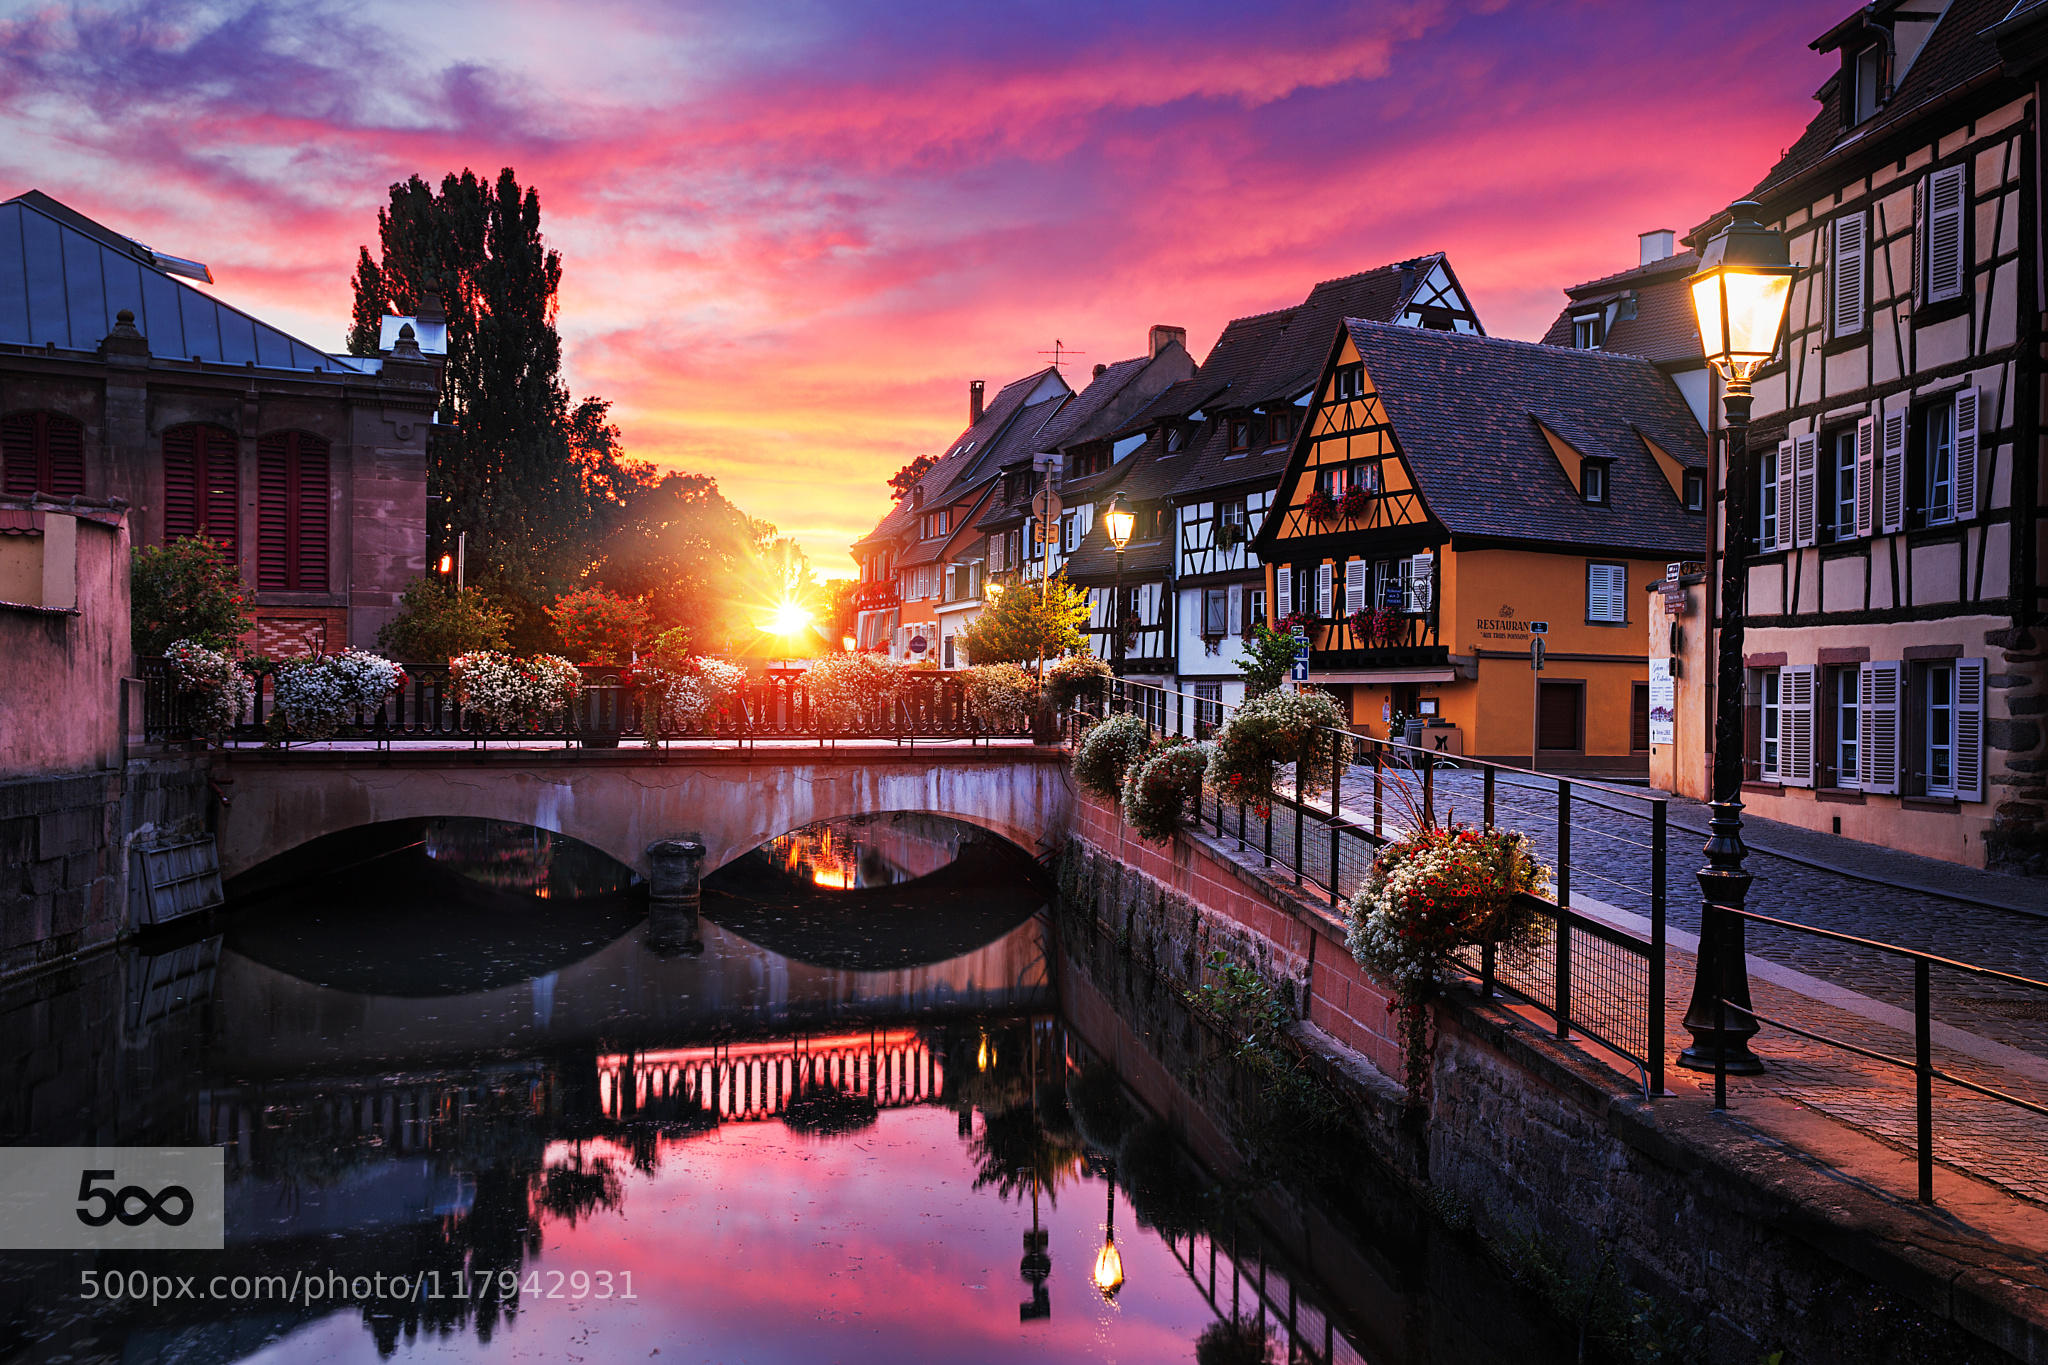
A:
x,y
1721,1031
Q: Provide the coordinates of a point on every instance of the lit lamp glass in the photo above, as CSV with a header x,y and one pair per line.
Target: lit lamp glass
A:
x,y
1119,521
447,563
1739,294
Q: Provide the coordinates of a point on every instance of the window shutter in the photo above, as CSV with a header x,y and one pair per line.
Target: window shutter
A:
x,y
1354,585
1947,198
1422,581
1805,477
1795,725
1785,495
181,482
1606,593
1323,591
1850,257
1892,476
1877,723
1919,236
42,452
274,539
1283,589
1965,482
1866,475
18,454
1236,609
223,505
1968,765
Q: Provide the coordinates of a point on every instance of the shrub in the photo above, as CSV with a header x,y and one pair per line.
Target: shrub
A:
x,y
690,695
599,627
503,690
1267,731
219,689
1002,696
187,590
849,691
1076,677
316,695
1107,752
1159,790
1268,658
435,623
1027,622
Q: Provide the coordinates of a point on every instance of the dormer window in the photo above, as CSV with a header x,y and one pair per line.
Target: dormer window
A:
x,y
1593,482
935,524
1283,426
1695,490
1240,433
1350,382
1866,84
1588,331
1176,437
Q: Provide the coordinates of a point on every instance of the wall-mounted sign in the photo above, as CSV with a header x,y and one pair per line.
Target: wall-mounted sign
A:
x,y
1663,702
918,644
1539,627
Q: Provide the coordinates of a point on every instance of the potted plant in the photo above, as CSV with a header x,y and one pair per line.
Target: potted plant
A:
x,y
1354,503
217,689
1272,729
1229,534
1159,790
1322,507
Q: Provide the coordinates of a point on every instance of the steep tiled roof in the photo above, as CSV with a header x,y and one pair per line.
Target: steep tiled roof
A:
x,y
1662,328
966,454
1100,393
1466,410
64,278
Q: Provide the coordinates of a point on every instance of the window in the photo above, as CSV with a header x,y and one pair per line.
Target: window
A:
x,y
1176,438
42,452
1254,610
1070,532
1283,427
1767,499
934,524
1588,332
1231,513
1843,729
1215,612
1607,594
1155,521
1938,725
1838,486
291,512
1240,433
1766,681
1208,708
1866,79
1350,382
1695,484
1593,481
201,484
1847,262
1949,712
1938,464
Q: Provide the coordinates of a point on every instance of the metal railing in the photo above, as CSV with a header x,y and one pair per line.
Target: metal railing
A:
x,y
608,711
1925,1072
1604,982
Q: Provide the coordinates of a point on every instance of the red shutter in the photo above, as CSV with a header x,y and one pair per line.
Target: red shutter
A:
x,y
201,484
43,452
221,487
273,512
291,513
181,482
312,507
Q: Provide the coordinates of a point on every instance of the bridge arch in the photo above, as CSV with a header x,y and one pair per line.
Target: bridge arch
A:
x,y
620,801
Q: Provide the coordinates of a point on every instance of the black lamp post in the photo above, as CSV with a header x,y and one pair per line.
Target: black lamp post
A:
x,y
1118,521
1739,294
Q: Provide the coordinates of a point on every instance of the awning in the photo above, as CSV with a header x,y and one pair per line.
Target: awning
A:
x,y
1387,675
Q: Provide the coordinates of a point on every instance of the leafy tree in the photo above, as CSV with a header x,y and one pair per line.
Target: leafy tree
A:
x,y
435,623
905,479
838,617
1268,659
186,590
599,627
1028,622
693,557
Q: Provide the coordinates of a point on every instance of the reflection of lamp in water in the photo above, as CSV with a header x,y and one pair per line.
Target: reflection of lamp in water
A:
x,y
1109,1262
1036,1267
985,1056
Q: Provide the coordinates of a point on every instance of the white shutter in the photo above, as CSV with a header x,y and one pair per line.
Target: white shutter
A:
x,y
1851,255
1235,621
1866,476
1784,471
1947,200
1322,591
1354,585
1967,766
1877,725
1805,477
1283,589
1422,581
1892,476
1965,483
1795,725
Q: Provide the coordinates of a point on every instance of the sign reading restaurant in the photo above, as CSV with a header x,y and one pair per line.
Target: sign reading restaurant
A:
x,y
1501,627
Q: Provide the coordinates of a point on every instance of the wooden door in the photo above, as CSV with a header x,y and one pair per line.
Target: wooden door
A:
x,y
1558,716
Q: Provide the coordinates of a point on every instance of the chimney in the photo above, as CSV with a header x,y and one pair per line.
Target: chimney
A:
x,y
973,401
1164,336
1101,369
430,308
1659,244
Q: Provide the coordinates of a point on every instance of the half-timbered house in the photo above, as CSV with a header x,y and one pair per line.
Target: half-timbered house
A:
x,y
120,381
1448,490
1893,680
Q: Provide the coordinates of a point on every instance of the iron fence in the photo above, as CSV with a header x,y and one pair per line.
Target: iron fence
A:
x,y
1590,976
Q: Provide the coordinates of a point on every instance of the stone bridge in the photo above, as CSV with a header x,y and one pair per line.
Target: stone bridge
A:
x,y
624,800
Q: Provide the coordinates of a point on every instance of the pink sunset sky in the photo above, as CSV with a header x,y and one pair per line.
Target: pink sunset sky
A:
x,y
793,233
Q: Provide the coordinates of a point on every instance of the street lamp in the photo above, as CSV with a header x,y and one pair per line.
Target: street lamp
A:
x,y
1739,294
1118,521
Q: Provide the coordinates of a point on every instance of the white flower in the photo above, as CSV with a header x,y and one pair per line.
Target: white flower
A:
x,y
219,689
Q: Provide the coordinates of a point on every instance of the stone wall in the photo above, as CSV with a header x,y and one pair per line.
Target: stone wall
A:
x,y
2015,705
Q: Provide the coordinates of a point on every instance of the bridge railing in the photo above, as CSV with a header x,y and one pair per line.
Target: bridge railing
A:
x,y
608,711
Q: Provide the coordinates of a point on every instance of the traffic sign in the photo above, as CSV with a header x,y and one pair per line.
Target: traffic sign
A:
x,y
1539,627
1536,653
1300,669
918,644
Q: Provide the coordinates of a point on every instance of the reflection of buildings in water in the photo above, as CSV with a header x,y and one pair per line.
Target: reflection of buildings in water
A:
x,y
752,1081
870,850
521,859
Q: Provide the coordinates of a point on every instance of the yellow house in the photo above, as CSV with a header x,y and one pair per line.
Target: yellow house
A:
x,y
1452,497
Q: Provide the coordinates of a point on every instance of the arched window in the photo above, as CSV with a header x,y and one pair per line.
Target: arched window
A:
x,y
291,512
200,484
42,452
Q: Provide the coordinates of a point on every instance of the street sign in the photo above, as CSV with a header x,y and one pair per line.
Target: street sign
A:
x,y
1300,670
1536,653
918,644
1539,627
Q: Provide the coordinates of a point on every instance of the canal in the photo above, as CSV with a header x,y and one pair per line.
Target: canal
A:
x,y
874,1103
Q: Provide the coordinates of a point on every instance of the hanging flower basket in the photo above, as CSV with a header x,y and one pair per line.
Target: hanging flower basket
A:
x,y
317,694
507,693
1354,504
1321,507
217,688
1271,729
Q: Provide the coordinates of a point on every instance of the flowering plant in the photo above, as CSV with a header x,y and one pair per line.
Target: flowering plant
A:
x,y
1291,622
502,689
1430,893
1321,506
848,691
1271,729
1158,790
1106,753
317,694
219,689
686,693
1002,696
1354,503
1075,676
